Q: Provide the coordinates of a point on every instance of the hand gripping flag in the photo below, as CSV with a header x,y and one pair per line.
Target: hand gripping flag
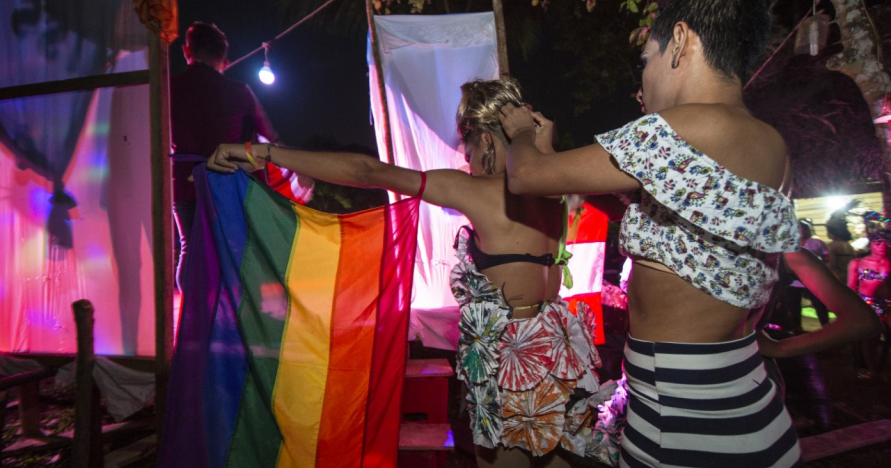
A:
x,y
292,339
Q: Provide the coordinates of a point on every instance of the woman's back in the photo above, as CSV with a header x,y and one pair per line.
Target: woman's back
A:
x,y
663,305
840,254
512,224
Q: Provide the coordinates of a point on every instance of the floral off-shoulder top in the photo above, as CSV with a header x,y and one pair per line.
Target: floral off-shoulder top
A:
x,y
718,231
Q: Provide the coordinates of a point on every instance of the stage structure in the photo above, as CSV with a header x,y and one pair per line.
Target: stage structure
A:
x,y
84,173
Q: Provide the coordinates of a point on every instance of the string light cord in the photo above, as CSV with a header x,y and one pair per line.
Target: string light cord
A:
x,y
775,52
265,45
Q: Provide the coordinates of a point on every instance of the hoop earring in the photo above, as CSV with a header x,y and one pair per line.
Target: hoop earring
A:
x,y
675,59
489,160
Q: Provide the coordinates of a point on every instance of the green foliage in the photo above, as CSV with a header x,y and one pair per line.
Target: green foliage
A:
x,y
648,13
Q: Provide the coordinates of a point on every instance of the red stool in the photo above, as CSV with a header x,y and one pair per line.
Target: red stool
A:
x,y
425,395
425,434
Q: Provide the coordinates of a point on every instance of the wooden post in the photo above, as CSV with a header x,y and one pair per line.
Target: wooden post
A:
x,y
381,86
503,68
162,220
86,450
29,409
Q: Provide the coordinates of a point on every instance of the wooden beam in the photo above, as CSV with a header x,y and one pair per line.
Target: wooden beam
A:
x,y
381,86
845,439
503,68
87,83
162,219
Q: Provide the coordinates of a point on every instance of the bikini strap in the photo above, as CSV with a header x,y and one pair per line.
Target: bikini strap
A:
x,y
423,184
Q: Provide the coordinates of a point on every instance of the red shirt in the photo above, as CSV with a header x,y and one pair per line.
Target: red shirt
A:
x,y
207,109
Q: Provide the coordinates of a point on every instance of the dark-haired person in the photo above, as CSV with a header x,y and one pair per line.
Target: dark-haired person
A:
x,y
206,109
705,234
841,252
797,290
870,277
528,362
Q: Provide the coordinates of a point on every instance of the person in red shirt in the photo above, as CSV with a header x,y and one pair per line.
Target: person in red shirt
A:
x,y
206,109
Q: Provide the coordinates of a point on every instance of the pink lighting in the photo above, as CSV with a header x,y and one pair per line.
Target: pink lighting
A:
x,y
883,110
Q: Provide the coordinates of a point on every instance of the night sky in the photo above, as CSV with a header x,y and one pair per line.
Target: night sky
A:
x,y
321,88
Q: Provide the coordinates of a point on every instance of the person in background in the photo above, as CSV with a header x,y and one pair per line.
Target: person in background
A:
x,y
705,235
841,252
870,277
796,290
206,109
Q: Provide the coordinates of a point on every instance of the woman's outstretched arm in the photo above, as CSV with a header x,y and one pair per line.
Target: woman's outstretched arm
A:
x,y
449,188
854,319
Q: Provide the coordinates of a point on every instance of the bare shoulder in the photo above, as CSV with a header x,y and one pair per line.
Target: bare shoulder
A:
x,y
459,190
746,146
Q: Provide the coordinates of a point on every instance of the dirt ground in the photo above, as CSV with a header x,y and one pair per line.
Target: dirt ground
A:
x,y
853,401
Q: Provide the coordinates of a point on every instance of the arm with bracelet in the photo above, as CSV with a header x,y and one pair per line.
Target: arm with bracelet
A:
x,y
444,187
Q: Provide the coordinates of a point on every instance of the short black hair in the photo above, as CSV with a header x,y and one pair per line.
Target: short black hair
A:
x,y
733,32
207,42
840,232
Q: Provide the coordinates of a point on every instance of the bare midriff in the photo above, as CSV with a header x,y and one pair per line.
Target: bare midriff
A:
x,y
663,307
526,285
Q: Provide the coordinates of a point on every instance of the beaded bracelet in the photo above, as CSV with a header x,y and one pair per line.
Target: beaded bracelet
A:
x,y
269,151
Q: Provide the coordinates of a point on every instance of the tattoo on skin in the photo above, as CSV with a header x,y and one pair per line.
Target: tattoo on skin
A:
x,y
511,299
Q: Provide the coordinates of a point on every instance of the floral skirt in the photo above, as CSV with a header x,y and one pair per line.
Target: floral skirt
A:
x,y
532,383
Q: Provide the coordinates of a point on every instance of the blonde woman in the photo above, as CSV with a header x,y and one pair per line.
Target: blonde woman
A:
x,y
528,362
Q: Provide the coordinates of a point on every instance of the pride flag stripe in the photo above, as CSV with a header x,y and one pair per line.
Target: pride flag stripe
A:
x,y
351,344
302,351
380,447
261,319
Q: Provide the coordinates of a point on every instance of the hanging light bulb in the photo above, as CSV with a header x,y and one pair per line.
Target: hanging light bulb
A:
x,y
812,33
266,75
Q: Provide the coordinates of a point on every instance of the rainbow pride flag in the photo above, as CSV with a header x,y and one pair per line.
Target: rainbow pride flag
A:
x,y
292,339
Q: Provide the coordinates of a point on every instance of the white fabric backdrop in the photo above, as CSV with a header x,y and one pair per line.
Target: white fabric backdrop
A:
x,y
425,61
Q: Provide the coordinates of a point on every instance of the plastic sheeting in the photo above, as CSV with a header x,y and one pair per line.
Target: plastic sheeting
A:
x,y
126,390
75,210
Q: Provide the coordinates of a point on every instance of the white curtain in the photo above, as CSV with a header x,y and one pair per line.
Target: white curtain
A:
x,y
425,60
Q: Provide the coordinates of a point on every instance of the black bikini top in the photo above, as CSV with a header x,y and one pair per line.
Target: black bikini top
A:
x,y
484,261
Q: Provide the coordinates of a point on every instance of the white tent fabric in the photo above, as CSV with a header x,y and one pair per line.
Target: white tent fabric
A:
x,y
425,60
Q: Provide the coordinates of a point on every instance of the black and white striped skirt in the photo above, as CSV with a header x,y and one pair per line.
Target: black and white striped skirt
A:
x,y
704,405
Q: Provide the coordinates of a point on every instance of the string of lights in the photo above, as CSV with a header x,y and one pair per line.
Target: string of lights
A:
x,y
266,74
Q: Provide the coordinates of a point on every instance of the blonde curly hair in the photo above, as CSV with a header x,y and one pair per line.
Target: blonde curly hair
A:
x,y
481,101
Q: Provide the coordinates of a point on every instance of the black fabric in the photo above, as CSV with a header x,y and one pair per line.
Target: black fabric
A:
x,y
485,261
